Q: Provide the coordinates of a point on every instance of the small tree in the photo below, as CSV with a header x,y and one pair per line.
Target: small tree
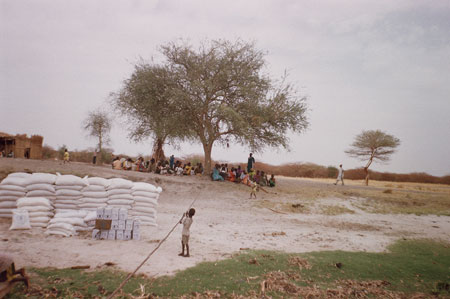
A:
x,y
98,125
373,145
150,111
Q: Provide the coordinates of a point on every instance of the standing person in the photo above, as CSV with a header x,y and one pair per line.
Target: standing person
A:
x,y
94,158
250,162
254,187
340,176
187,222
171,161
66,156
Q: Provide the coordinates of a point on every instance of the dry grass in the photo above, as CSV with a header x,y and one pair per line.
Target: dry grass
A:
x,y
334,210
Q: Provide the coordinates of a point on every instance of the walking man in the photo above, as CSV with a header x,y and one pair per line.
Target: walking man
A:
x,y
340,176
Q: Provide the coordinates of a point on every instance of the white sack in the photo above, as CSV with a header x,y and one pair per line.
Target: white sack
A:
x,y
121,196
146,194
40,193
15,181
98,181
7,204
13,188
93,200
8,198
59,232
41,178
34,201
71,187
22,175
20,219
118,191
42,187
94,188
68,192
70,214
118,183
66,206
71,180
95,194
139,199
73,221
120,202
145,210
90,216
91,205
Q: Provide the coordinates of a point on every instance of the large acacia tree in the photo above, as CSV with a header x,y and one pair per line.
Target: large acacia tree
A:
x,y
372,146
150,110
226,97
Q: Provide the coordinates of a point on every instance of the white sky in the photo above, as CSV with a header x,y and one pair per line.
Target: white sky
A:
x,y
364,65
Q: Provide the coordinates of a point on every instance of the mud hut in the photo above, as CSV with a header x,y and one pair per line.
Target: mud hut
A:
x,y
21,146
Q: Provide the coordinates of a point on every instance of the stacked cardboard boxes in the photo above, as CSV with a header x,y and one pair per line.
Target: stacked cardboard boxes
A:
x,y
114,224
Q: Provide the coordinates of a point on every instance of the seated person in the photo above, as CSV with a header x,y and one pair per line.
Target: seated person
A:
x,y
272,181
263,180
116,164
187,169
199,169
128,164
257,177
251,174
216,174
179,170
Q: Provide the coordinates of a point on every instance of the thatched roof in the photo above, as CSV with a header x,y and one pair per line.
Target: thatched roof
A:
x,y
3,135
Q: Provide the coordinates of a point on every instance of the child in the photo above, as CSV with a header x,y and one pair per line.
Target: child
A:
x,y
254,187
187,222
272,181
66,156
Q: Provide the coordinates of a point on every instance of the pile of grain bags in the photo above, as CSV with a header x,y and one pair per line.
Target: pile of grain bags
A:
x,y
12,188
119,193
67,223
145,201
68,191
94,194
41,185
40,210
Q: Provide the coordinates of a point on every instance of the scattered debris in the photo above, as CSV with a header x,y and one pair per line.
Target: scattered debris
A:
x,y
338,265
80,267
253,261
274,234
301,263
279,212
244,248
109,264
297,205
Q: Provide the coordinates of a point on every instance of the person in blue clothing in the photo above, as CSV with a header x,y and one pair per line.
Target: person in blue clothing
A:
x,y
216,174
250,162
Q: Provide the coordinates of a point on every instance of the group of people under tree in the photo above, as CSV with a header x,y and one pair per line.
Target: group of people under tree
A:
x,y
238,175
165,167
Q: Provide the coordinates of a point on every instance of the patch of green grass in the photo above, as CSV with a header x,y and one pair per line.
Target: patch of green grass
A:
x,y
408,267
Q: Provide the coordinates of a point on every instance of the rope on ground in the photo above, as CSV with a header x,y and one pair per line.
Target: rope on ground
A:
x,y
149,255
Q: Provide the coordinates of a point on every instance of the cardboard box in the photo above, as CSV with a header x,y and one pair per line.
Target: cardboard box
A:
x,y
127,235
100,213
96,234
129,224
104,234
107,213
121,224
136,235
115,224
123,214
103,224
111,234
119,235
136,224
115,214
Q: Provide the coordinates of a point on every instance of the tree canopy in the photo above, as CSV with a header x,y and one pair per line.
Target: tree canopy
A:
x,y
218,93
371,146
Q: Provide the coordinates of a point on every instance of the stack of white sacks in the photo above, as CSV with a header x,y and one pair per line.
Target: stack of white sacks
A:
x,y
67,223
119,193
68,191
145,201
12,188
94,195
41,185
40,210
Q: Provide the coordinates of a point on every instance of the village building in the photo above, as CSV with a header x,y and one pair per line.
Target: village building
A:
x,y
21,146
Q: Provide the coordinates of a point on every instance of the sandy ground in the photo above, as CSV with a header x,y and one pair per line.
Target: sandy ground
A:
x,y
226,222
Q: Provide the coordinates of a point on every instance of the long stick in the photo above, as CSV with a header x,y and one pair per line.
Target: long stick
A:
x,y
148,256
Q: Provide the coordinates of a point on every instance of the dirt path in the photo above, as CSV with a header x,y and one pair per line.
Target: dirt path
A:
x,y
226,221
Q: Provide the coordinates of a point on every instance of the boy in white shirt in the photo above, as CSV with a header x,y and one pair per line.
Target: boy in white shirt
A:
x,y
187,222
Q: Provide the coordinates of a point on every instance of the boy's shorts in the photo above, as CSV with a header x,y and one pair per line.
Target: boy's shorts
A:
x,y
185,239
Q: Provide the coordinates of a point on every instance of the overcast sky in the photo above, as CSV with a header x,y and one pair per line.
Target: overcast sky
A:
x,y
364,65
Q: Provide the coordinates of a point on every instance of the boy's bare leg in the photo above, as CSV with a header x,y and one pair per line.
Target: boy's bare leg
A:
x,y
182,249
187,251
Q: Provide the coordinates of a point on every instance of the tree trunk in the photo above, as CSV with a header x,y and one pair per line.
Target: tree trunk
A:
x,y
207,148
98,161
158,152
366,170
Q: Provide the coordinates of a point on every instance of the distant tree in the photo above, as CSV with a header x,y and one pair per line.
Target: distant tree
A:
x,y
373,145
146,101
225,96
98,125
